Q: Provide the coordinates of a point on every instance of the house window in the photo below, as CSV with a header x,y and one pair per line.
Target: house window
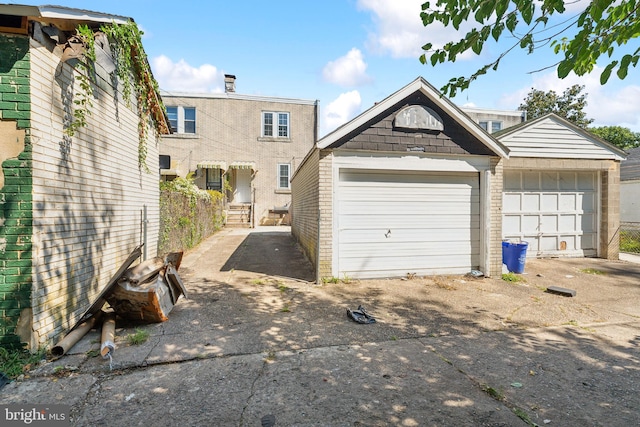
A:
x,y
490,125
272,119
189,120
214,179
172,112
182,119
284,173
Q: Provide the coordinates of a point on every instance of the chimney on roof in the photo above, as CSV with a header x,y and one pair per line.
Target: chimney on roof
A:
x,y
229,83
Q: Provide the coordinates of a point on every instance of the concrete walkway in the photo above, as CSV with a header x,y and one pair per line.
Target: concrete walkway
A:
x,y
634,258
258,341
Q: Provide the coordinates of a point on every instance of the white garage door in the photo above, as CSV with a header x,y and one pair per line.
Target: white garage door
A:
x,y
556,212
394,224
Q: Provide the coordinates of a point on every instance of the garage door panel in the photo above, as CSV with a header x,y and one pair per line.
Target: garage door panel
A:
x,y
557,216
567,181
438,264
394,222
511,224
587,221
398,236
409,193
549,180
426,207
549,202
513,200
568,202
586,202
417,251
531,222
587,182
531,180
391,224
531,202
548,223
567,223
587,241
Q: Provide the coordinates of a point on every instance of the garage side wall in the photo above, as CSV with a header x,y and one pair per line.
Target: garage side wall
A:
x,y
89,195
610,218
325,188
495,233
304,206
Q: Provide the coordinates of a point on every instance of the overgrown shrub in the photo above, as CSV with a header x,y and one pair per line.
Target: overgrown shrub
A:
x,y
188,215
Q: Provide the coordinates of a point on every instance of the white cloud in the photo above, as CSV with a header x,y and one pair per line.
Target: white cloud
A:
x,y
348,70
340,111
399,29
182,77
606,105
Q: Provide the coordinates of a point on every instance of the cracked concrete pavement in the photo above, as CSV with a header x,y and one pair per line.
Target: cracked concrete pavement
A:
x,y
258,338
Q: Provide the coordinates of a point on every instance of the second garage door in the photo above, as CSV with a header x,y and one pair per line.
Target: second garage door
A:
x,y
391,224
555,211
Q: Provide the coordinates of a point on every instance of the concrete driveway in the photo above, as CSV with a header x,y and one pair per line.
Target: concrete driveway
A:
x,y
258,341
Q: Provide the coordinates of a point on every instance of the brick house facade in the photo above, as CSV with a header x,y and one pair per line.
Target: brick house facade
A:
x,y
244,145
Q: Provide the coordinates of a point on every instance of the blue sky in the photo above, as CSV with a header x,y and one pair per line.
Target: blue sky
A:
x,y
348,54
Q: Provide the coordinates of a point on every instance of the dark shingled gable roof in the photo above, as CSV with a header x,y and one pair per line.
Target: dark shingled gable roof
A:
x,y
630,168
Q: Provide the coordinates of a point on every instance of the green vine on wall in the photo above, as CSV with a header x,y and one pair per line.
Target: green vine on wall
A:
x,y
83,102
133,71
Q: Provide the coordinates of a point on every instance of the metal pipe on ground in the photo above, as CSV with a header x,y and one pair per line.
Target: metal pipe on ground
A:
x,y
108,346
74,336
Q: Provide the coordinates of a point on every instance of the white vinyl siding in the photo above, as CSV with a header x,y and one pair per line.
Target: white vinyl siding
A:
x,y
391,224
551,139
556,212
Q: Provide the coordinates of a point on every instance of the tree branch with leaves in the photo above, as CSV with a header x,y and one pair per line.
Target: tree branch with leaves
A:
x,y
603,27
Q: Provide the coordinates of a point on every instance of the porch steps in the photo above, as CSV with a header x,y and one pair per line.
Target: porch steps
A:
x,y
239,216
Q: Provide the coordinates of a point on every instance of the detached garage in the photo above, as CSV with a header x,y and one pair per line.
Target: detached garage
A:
x,y
411,186
561,189
414,186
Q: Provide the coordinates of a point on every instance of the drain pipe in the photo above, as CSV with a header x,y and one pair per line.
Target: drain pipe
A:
x,y
144,232
318,281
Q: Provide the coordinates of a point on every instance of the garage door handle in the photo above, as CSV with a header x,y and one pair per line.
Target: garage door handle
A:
x,y
387,234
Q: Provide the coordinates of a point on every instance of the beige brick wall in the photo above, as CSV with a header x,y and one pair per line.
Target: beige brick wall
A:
x,y
610,217
325,186
495,236
88,196
230,129
304,206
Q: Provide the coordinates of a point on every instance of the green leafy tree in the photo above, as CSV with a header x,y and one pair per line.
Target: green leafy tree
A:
x,y
570,105
598,31
619,136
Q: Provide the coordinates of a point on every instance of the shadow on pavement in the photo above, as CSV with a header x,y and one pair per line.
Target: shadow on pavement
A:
x,y
273,253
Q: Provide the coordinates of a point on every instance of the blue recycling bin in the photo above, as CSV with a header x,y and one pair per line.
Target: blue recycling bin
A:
x,y
514,255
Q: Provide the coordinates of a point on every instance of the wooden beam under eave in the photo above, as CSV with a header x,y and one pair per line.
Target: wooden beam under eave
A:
x,y
23,29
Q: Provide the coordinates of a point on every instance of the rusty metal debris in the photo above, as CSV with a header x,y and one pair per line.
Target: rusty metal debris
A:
x,y
145,293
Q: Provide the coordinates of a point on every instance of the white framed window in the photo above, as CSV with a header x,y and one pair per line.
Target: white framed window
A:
x,y
490,126
182,119
275,124
284,174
